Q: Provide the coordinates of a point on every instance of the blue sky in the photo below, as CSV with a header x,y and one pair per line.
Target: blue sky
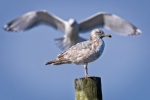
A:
x,y
124,65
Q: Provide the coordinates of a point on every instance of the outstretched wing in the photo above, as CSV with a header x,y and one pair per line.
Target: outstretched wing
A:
x,y
109,21
32,19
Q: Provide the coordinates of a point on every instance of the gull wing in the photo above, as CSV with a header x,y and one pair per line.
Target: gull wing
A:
x,y
76,51
32,19
110,22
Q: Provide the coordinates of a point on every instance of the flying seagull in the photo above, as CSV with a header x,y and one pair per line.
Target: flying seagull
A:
x,y
72,28
84,52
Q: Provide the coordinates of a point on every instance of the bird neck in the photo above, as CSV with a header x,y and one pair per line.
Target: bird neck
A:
x,y
95,38
96,41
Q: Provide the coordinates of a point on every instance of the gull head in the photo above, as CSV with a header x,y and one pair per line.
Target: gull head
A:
x,y
99,33
72,22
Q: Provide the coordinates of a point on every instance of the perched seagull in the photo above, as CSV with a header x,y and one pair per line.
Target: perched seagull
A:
x,y
84,52
72,28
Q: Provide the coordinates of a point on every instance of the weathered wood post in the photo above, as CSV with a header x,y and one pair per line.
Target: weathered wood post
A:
x,y
88,88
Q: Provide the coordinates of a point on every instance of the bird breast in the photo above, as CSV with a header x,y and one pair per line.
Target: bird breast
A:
x,y
97,50
71,31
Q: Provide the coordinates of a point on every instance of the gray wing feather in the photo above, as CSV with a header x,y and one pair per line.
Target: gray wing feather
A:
x,y
109,21
76,51
91,23
81,45
32,19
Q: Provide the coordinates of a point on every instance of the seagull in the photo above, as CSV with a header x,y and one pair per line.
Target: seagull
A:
x,y
84,52
72,28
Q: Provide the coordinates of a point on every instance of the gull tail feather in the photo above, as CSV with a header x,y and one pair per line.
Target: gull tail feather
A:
x,y
63,43
60,42
54,62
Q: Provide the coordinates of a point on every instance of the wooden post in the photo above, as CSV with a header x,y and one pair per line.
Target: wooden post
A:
x,y
88,88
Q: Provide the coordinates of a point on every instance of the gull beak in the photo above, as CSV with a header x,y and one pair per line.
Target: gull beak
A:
x,y
107,35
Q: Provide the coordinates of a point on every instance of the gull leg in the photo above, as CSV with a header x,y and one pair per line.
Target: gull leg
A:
x,y
86,70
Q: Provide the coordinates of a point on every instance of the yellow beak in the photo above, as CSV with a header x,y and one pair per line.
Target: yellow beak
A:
x,y
107,35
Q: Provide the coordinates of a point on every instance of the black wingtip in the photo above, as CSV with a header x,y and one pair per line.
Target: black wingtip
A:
x,y
7,28
138,32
